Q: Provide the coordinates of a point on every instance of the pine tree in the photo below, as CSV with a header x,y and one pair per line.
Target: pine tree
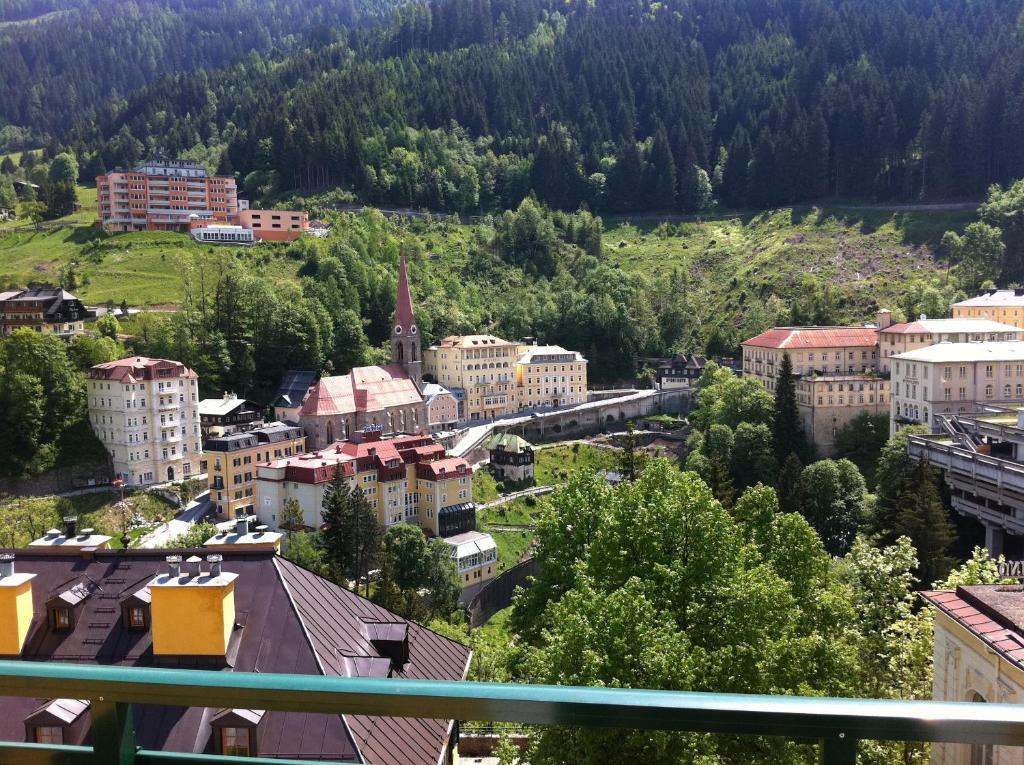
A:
x,y
787,430
661,174
788,487
632,457
719,481
924,519
351,535
734,175
7,166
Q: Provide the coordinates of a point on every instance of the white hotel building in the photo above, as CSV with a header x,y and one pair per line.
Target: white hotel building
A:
x,y
146,413
954,378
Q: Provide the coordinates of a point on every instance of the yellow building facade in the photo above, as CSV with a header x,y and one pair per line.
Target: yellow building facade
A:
x,y
491,377
407,479
480,370
1004,306
232,460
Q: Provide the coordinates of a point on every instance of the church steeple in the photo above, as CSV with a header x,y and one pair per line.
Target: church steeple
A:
x,y
406,348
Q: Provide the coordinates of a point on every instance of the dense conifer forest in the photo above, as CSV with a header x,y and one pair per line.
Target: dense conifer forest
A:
x,y
468,105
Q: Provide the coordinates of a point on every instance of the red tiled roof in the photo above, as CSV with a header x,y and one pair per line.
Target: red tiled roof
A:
x,y
815,337
364,389
449,467
965,608
137,368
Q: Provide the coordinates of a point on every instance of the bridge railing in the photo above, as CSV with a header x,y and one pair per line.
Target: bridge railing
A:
x,y
838,724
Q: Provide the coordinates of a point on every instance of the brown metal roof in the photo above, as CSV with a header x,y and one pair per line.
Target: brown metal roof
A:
x,y
292,621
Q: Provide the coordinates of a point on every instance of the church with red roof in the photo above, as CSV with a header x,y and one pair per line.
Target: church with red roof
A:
x,y
388,398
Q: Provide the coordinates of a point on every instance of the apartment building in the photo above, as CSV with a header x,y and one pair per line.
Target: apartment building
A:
x,y
146,413
406,479
954,378
1005,306
164,195
43,309
894,339
241,609
232,460
479,370
549,376
836,370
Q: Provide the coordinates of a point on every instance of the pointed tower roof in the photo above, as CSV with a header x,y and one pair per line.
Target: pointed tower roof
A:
x,y
404,315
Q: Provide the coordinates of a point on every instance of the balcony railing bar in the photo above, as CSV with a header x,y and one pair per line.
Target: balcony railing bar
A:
x,y
838,723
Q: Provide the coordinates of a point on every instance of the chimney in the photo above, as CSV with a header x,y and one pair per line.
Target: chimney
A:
x,y
261,529
173,565
242,525
1018,291
215,562
192,615
883,318
193,566
15,606
70,526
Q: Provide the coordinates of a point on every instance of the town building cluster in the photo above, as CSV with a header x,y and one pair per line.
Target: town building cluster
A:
x,y
179,195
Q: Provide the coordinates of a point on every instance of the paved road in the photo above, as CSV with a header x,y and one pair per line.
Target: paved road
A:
x,y
175,527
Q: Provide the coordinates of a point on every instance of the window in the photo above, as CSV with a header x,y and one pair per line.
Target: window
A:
x,y
235,741
49,734
137,618
62,619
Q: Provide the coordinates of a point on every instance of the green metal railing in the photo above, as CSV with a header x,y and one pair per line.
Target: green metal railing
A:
x,y
837,723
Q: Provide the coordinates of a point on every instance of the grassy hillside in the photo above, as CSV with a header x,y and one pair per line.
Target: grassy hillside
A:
x,y
867,257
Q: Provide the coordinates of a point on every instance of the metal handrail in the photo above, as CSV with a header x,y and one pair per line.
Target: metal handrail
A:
x,y
837,723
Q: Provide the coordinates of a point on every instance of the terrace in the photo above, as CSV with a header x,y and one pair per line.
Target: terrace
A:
x,y
836,724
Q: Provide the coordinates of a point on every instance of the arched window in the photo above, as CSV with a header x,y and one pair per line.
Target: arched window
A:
x,y
981,754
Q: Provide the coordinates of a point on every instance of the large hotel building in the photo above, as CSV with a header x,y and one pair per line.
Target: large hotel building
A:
x,y
165,195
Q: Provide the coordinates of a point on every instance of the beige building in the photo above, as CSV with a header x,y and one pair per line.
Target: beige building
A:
x,y
826,403
406,479
954,378
480,370
837,374
978,656
894,339
1005,306
146,413
550,376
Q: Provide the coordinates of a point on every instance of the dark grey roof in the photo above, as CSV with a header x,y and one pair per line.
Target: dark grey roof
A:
x,y
293,388
291,621
272,433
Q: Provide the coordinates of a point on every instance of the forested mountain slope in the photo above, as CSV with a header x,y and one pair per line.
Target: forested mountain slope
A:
x,y
625,105
63,57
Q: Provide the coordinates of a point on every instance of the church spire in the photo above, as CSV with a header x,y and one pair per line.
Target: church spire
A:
x,y
406,348
404,315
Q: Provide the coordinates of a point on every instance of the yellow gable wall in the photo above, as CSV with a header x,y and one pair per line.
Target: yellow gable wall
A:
x,y
15,617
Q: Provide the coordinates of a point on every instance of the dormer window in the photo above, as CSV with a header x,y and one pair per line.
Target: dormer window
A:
x,y
136,618
234,731
135,610
58,721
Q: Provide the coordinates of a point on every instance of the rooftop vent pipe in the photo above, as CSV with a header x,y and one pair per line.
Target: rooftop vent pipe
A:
x,y
70,525
193,566
6,564
215,562
173,565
